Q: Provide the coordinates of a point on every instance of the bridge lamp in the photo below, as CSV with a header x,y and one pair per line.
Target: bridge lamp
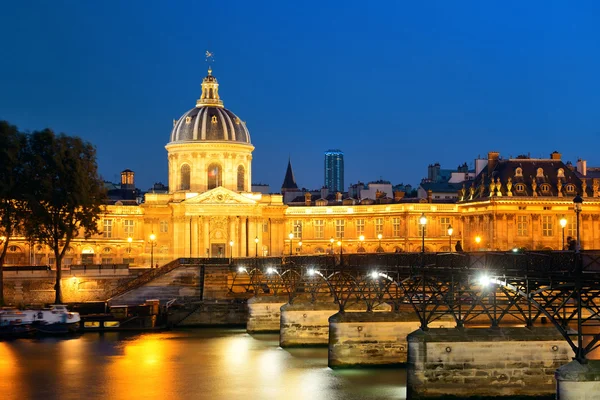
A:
x,y
311,271
423,222
450,231
361,239
300,246
374,274
241,270
515,250
379,249
256,246
563,223
331,245
484,280
270,270
291,236
577,204
230,251
477,240
129,240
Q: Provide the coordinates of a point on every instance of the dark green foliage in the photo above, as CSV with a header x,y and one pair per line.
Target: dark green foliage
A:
x,y
13,144
63,193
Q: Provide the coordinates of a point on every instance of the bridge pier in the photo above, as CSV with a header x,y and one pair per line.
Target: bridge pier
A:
x,y
264,313
575,381
306,323
491,362
367,339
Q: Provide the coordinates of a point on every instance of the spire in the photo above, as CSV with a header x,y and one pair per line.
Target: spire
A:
x,y
210,88
289,182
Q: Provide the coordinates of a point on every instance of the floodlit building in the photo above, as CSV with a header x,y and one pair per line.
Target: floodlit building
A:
x,y
208,209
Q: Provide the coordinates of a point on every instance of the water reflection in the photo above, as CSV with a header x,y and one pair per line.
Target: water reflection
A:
x,y
191,364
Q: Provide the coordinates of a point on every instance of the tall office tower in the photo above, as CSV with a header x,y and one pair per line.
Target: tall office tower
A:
x,y
334,170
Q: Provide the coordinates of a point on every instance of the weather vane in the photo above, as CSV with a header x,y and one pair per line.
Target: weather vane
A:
x,y
209,58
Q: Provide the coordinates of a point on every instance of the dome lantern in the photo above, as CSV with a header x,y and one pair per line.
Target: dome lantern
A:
x,y
210,92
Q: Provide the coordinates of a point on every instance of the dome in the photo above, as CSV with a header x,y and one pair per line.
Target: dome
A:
x,y
209,120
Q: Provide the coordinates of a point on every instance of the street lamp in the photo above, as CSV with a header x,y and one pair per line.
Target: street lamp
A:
x,y
300,246
256,246
477,240
152,244
423,222
230,251
379,249
361,239
563,223
577,202
291,236
129,240
450,231
339,243
331,245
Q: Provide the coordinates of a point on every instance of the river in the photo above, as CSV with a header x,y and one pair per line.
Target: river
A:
x,y
218,364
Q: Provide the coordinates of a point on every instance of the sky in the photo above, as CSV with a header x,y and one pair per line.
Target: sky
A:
x,y
395,85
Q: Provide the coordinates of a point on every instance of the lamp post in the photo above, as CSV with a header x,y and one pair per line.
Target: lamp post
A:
x,y
563,223
477,240
256,246
450,231
291,236
339,243
577,203
129,240
300,247
331,245
423,222
361,239
379,249
152,244
230,251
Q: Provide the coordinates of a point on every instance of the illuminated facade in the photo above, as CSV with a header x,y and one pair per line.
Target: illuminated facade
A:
x,y
210,211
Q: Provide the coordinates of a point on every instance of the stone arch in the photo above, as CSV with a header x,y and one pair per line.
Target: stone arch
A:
x,y
241,178
214,175
184,177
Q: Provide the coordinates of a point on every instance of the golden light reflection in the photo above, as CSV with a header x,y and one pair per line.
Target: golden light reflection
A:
x,y
144,360
10,371
236,352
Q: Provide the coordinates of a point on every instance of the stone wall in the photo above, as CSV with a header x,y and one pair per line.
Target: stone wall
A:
x,y
264,313
577,381
210,313
367,339
484,362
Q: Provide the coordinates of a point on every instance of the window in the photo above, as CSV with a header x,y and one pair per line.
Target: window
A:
x,y
240,178
128,227
545,188
570,188
297,229
519,171
560,173
519,187
571,227
540,173
360,227
107,260
319,229
378,226
444,224
184,178
107,231
164,226
547,225
396,227
214,176
522,225
266,227
339,228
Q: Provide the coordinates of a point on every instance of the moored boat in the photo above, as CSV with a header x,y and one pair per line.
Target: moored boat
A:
x,y
14,323
54,320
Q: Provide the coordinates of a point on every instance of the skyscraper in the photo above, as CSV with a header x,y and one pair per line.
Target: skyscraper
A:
x,y
334,170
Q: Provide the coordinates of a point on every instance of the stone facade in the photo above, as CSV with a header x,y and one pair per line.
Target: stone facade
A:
x,y
575,381
264,313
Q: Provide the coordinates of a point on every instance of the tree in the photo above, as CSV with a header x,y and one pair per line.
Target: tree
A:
x,y
12,146
65,195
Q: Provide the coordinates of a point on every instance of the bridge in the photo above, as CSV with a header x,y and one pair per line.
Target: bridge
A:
x,y
517,317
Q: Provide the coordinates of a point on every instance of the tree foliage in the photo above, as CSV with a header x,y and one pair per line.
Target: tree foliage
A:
x,y
65,194
12,147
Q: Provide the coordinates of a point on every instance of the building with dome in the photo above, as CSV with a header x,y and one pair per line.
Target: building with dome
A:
x,y
209,209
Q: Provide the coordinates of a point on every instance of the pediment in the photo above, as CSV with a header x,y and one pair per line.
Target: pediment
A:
x,y
219,196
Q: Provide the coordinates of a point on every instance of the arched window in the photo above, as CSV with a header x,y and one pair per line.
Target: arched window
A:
x,y
184,179
519,171
215,178
240,178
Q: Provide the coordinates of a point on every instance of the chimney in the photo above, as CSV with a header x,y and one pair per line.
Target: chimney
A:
x,y
555,155
582,167
324,192
493,157
338,196
307,198
429,193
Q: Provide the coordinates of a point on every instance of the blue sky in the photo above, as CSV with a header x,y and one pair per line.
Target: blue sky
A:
x,y
395,85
